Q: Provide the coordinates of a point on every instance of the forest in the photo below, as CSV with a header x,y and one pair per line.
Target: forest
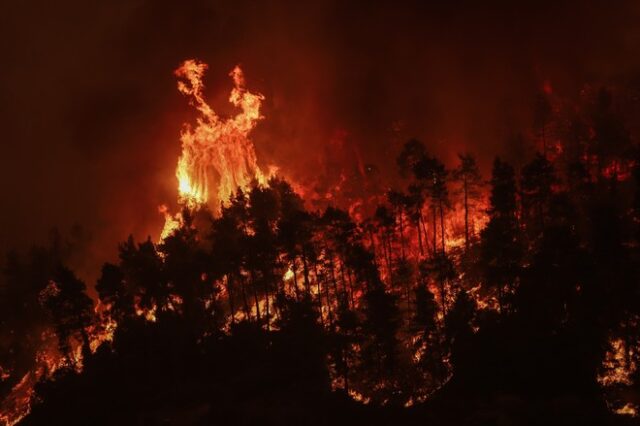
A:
x,y
462,296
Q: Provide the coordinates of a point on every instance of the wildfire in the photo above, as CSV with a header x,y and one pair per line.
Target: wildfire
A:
x,y
217,155
216,146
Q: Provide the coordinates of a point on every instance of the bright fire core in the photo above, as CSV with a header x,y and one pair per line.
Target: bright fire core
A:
x,y
217,155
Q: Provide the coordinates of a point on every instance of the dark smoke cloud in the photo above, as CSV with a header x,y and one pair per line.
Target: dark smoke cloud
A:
x,y
90,116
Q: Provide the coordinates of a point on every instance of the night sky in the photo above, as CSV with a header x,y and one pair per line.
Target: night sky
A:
x,y
90,115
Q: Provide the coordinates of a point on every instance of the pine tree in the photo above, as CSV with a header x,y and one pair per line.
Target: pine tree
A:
x,y
536,184
433,176
468,175
500,244
71,310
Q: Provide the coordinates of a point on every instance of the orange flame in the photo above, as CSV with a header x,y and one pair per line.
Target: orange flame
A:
x,y
216,148
217,154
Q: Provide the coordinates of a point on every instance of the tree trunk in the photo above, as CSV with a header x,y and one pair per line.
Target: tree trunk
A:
x,y
265,282
389,252
305,268
319,290
541,215
373,244
435,226
353,305
401,237
245,301
254,285
345,289
386,251
294,268
346,374
442,226
466,214
328,297
424,231
443,298
230,296
544,143
86,345
334,281
419,237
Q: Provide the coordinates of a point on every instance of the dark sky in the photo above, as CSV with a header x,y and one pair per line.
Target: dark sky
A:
x,y
90,115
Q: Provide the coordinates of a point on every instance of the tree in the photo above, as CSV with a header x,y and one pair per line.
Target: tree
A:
x,y
343,341
22,317
433,176
262,253
380,325
228,254
293,231
635,207
189,276
339,235
468,175
441,269
429,346
611,141
577,138
398,202
71,310
542,116
113,292
548,293
459,329
414,203
385,221
500,245
536,184
143,270
302,343
412,152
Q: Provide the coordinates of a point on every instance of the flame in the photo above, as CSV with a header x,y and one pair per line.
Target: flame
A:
x,y
18,403
104,329
171,222
628,409
616,369
357,396
149,314
216,147
217,155
288,275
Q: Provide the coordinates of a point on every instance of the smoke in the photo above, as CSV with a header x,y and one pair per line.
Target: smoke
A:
x,y
91,118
